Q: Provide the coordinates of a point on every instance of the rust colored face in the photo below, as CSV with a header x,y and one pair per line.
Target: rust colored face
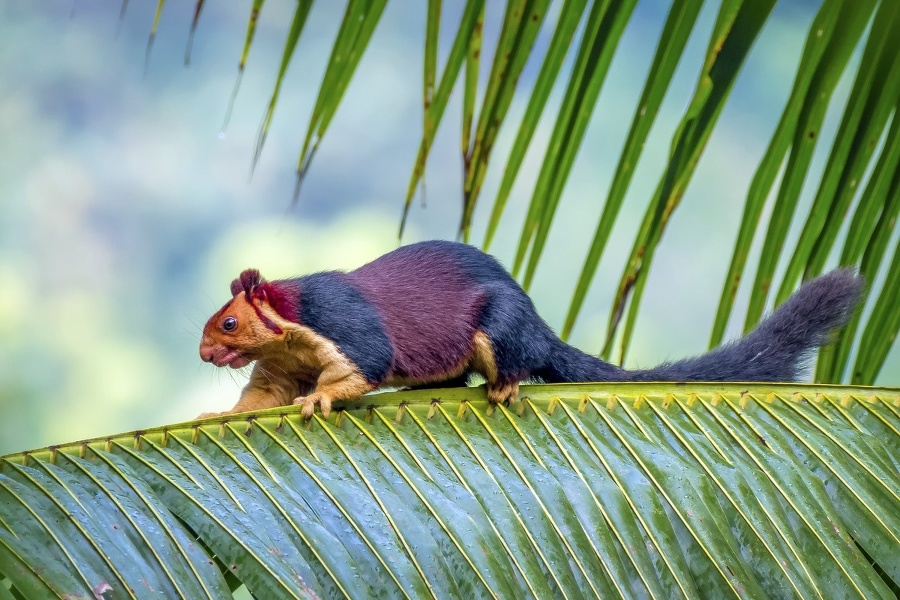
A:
x,y
240,332
237,334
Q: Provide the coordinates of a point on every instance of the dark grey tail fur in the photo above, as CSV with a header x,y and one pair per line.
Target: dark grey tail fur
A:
x,y
777,350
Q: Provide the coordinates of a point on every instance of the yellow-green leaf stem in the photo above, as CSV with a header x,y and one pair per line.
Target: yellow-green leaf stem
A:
x,y
866,238
470,91
817,40
150,38
882,327
429,63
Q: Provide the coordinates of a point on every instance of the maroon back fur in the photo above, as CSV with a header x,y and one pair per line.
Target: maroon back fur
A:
x,y
428,305
283,296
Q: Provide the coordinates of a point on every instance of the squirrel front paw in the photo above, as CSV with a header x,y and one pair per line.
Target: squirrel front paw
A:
x,y
309,404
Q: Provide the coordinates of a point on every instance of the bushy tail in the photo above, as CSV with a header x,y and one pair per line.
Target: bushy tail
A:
x,y
776,350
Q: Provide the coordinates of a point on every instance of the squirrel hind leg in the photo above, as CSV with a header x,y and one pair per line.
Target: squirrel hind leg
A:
x,y
512,343
502,387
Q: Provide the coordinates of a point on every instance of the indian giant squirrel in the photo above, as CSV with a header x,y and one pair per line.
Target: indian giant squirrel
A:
x,y
434,312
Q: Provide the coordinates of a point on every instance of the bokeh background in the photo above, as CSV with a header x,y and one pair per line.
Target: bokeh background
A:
x,y
126,209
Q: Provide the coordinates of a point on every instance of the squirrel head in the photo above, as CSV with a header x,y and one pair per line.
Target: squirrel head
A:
x,y
249,324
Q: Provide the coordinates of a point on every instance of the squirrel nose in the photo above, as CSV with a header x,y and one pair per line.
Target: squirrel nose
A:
x,y
206,354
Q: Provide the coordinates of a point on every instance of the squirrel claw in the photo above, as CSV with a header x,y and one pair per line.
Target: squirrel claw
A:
x,y
502,393
309,405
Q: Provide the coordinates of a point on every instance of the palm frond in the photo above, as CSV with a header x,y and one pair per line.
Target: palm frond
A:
x,y
437,102
297,24
824,57
609,491
603,28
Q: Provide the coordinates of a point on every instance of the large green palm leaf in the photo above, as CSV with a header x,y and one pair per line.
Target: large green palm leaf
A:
x,y
578,490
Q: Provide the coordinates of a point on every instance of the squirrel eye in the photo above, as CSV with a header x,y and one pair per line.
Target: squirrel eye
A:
x,y
229,324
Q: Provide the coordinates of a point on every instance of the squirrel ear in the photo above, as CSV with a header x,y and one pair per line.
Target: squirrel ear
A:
x,y
248,280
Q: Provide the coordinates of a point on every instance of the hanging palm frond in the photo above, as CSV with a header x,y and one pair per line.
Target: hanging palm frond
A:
x,y
578,490
858,178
